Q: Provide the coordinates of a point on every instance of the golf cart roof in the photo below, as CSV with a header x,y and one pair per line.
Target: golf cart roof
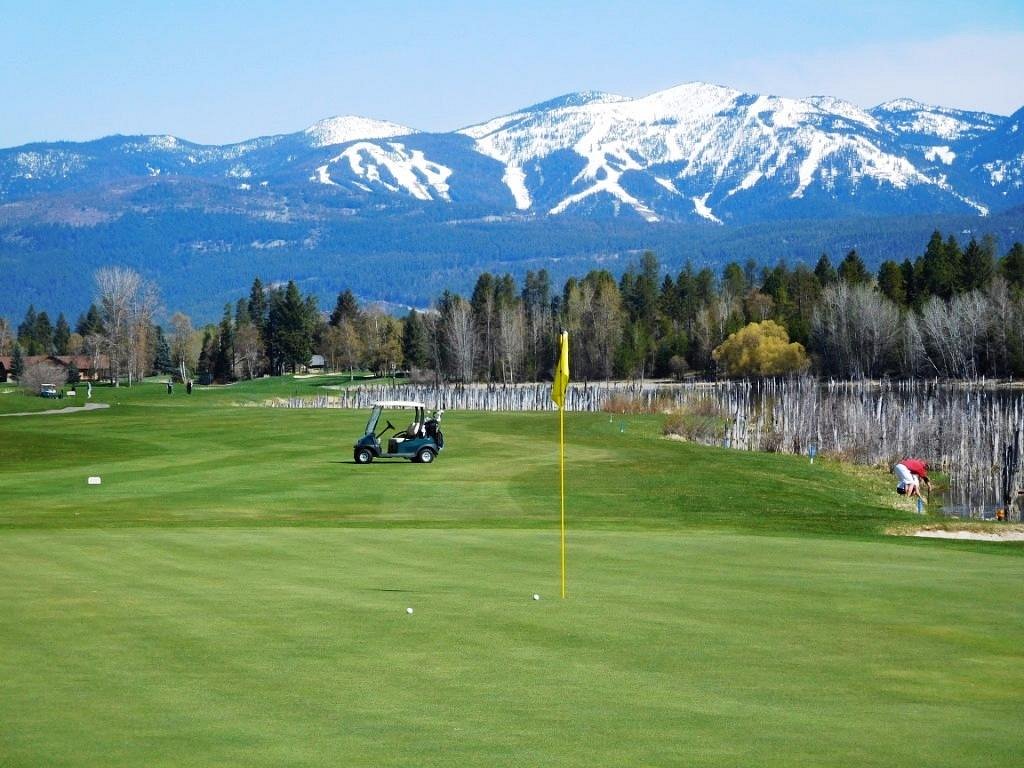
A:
x,y
398,404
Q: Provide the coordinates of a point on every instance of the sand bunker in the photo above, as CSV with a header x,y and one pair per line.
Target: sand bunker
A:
x,y
69,409
1011,535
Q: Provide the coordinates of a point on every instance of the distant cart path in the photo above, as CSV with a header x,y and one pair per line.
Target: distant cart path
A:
x,y
69,409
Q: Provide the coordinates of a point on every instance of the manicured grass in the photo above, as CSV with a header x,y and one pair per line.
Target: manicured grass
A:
x,y
234,593
205,460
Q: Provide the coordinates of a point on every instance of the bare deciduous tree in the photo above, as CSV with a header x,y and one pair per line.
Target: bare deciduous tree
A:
x,y
343,346
710,325
249,350
127,303
511,339
856,330
182,354
6,337
39,373
460,338
911,347
955,333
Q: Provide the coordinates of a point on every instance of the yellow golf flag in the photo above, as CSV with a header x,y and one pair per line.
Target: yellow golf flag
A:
x,y
561,382
558,387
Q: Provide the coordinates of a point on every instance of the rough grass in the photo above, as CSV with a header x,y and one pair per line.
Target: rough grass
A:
x,y
235,592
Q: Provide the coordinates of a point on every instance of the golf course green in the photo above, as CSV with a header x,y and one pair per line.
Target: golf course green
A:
x,y
235,593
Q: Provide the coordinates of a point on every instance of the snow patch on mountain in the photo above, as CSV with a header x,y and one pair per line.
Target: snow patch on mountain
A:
x,y
902,105
340,130
515,179
578,99
853,113
667,184
700,207
906,116
944,154
1006,172
48,164
163,142
391,166
943,183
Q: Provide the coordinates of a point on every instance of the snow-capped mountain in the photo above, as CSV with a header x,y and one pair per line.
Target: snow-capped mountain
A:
x,y
724,155
340,130
696,152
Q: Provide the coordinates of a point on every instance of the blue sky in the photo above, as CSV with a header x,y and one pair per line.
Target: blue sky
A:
x,y
216,72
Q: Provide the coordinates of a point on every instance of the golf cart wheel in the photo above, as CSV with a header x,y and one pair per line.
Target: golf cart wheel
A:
x,y
363,455
425,455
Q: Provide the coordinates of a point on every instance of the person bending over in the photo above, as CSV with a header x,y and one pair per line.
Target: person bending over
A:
x,y
910,473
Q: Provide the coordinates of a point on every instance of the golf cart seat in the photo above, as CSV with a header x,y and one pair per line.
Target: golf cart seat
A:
x,y
412,431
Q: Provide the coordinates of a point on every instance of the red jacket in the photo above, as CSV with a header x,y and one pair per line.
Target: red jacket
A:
x,y
918,467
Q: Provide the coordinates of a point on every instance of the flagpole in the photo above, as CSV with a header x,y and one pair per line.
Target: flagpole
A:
x,y
558,388
561,456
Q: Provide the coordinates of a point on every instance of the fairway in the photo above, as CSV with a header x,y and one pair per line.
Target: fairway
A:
x,y
235,593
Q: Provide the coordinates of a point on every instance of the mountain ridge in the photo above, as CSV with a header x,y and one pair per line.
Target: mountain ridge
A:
x,y
696,151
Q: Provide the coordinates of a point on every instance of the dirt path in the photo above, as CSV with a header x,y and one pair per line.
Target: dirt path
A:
x,y
69,409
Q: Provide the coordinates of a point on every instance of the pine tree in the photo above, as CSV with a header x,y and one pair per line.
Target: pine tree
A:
x,y
223,359
824,271
978,266
939,272
910,282
258,304
17,362
27,332
485,320
291,322
345,308
242,313
805,292
162,362
669,307
776,285
90,323
43,334
853,271
1012,266
206,355
734,280
61,335
890,282
415,348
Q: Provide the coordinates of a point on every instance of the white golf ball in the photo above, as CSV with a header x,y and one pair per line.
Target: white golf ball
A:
x,y
536,597
408,610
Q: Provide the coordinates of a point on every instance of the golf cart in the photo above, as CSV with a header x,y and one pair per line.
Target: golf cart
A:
x,y
420,441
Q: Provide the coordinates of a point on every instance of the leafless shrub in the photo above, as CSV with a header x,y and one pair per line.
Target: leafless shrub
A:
x,y
702,420
37,374
635,404
422,376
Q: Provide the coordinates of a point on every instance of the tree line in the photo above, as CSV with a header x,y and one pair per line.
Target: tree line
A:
x,y
952,311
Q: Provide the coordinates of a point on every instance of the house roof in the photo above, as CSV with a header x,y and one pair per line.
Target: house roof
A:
x,y
82,362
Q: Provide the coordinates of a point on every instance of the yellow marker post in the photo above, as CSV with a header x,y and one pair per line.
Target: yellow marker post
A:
x,y
558,388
